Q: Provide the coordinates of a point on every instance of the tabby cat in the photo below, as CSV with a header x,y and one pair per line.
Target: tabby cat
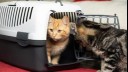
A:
x,y
58,38
105,41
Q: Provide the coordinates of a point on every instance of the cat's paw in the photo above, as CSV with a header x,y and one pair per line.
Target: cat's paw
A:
x,y
55,63
98,71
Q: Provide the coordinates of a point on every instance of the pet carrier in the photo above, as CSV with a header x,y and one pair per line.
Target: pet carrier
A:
x,y
23,32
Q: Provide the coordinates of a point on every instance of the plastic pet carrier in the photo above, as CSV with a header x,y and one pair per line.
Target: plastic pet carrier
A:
x,y
23,33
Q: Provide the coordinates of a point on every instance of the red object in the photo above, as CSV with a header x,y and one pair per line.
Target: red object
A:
x,y
91,0
8,68
79,70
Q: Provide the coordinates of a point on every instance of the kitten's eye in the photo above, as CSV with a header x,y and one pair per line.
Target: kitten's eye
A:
x,y
59,30
51,30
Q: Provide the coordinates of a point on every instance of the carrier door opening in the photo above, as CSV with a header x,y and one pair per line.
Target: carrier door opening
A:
x,y
60,42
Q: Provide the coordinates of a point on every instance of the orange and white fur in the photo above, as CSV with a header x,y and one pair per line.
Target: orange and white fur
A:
x,y
58,38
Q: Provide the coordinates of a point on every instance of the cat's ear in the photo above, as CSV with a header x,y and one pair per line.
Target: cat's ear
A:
x,y
65,20
51,19
73,28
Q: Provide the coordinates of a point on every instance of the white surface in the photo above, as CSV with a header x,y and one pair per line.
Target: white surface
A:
x,y
118,7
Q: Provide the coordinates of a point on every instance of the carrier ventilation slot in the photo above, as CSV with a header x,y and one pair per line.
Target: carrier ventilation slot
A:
x,y
14,16
112,20
71,15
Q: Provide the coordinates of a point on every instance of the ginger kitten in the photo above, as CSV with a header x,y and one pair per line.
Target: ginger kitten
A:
x,y
58,38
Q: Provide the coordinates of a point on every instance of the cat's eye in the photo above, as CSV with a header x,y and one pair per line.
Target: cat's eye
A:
x,y
51,30
59,30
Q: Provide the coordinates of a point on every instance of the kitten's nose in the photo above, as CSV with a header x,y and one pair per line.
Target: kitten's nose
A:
x,y
54,35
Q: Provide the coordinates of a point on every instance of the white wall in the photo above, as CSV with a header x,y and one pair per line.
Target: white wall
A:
x,y
118,7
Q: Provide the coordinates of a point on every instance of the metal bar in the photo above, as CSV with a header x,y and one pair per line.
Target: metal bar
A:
x,y
116,20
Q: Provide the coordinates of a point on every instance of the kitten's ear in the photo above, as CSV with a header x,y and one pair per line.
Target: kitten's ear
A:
x,y
51,19
65,20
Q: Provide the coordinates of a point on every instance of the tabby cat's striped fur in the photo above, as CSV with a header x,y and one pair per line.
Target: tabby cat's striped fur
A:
x,y
107,42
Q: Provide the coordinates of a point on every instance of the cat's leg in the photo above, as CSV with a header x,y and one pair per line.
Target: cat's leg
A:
x,y
103,67
109,64
49,57
55,59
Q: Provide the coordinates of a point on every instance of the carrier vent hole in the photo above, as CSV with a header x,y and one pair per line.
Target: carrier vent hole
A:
x,y
14,16
59,15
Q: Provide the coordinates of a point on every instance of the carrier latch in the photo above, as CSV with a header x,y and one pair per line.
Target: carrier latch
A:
x,y
22,38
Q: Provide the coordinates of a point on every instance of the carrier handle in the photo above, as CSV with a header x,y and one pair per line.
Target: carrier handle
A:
x,y
59,1
12,4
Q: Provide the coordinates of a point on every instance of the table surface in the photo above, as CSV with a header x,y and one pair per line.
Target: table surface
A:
x,y
4,67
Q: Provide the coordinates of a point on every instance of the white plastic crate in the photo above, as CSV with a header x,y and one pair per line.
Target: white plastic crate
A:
x,y
28,20
30,17
25,23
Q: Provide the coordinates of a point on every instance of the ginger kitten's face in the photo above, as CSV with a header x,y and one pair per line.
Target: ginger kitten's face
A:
x,y
59,29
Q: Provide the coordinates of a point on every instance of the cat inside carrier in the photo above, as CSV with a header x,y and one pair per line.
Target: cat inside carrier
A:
x,y
25,34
